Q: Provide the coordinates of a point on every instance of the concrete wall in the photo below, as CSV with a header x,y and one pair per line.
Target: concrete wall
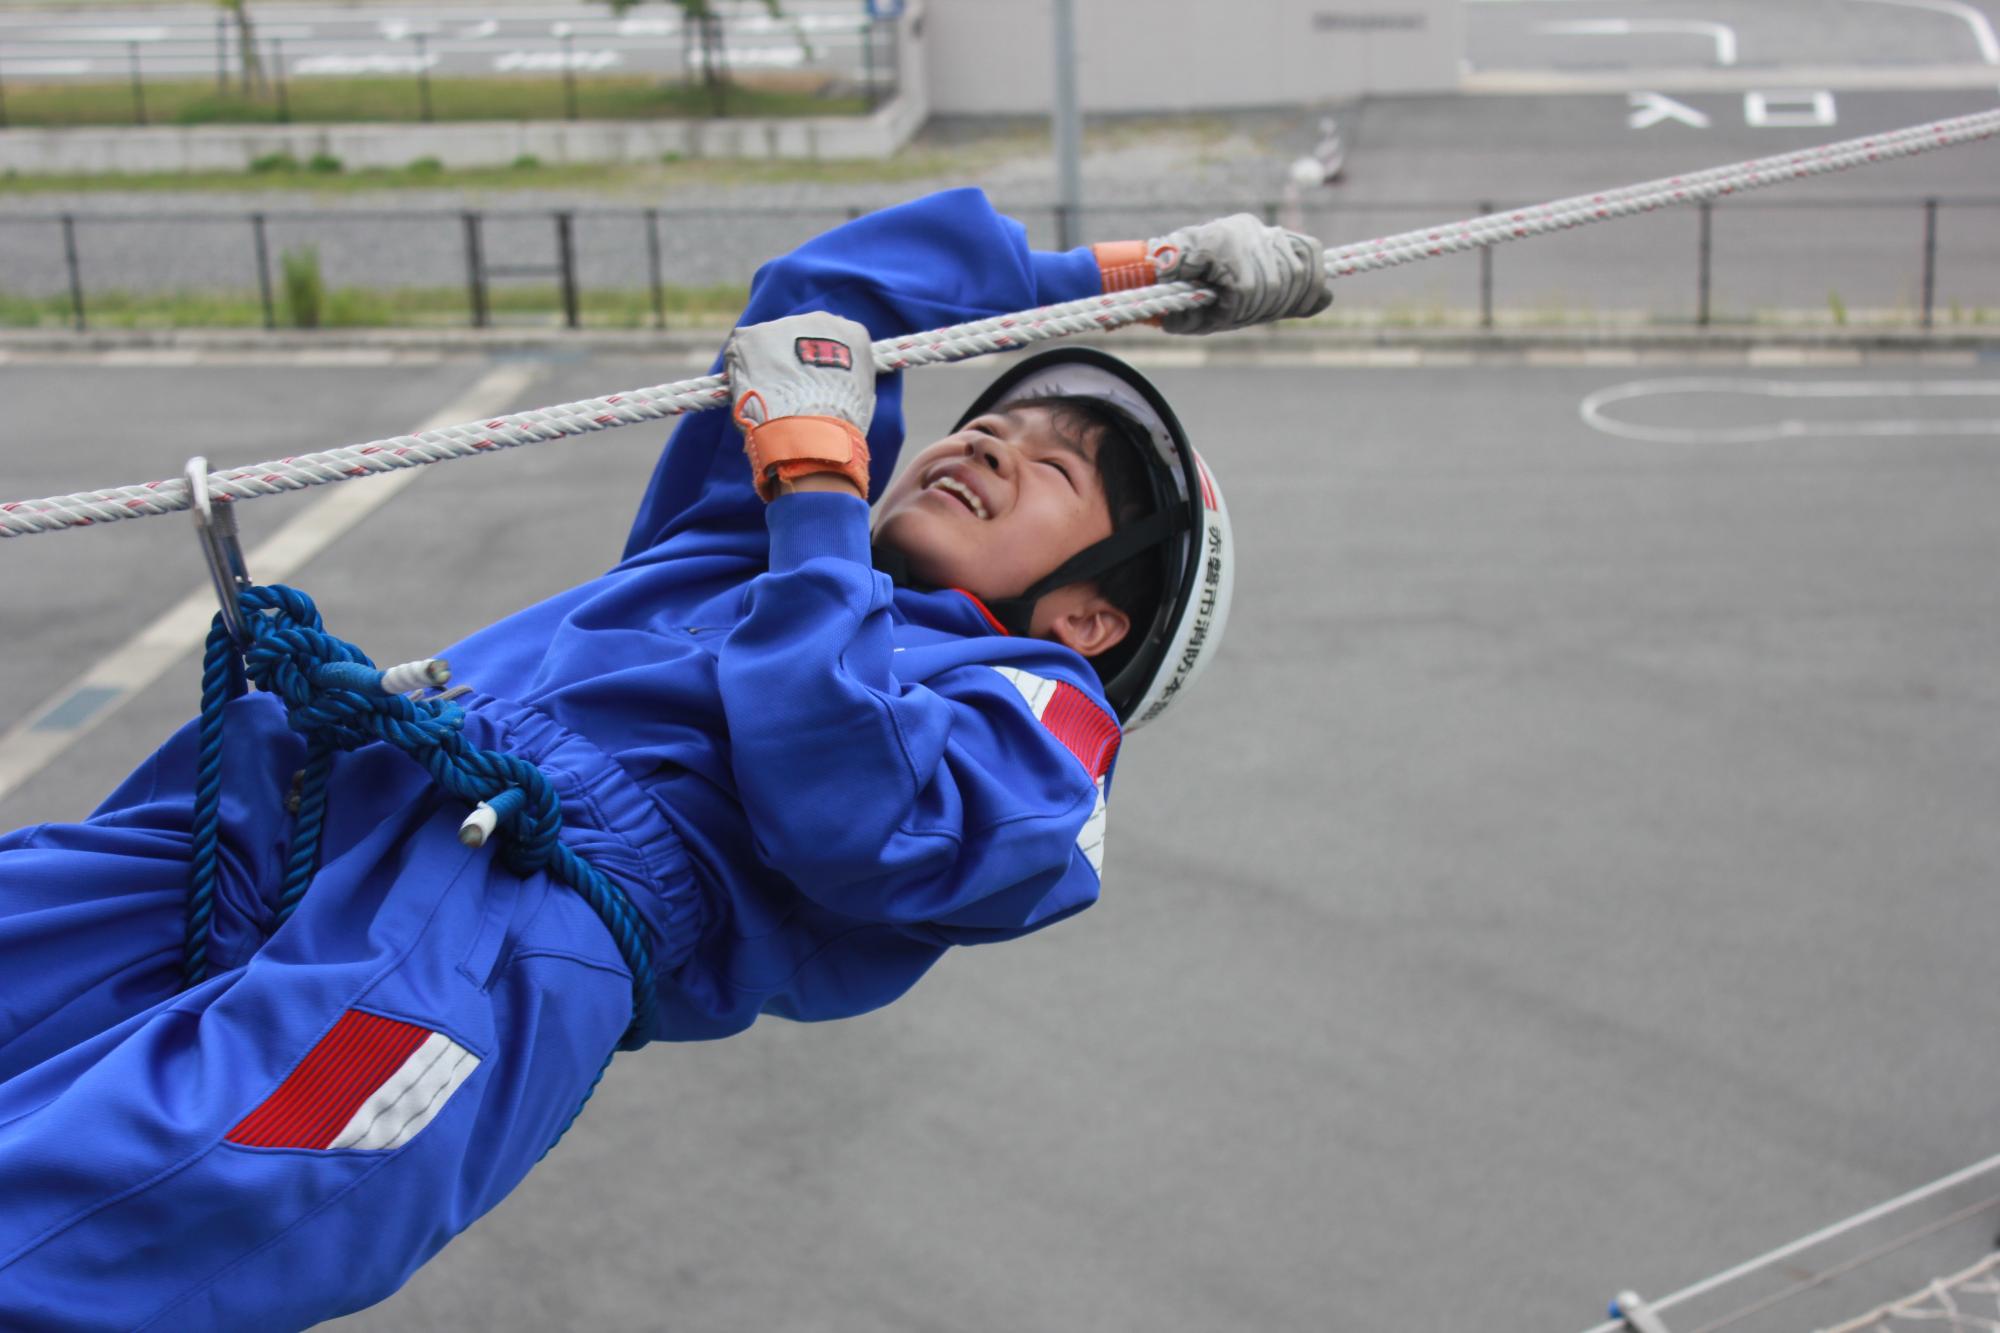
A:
x,y
987,56
484,143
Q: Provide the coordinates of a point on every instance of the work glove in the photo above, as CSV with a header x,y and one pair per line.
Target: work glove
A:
x,y
1259,273
802,389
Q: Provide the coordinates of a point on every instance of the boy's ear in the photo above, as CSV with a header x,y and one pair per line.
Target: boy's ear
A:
x,y
1081,618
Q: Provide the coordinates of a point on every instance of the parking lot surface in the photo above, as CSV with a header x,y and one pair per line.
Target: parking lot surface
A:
x,y
1575,873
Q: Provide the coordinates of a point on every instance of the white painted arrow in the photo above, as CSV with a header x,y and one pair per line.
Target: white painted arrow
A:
x,y
1649,109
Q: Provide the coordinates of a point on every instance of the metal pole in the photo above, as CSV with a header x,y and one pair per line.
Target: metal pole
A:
x,y
278,73
475,271
1930,260
75,270
1068,131
3,106
653,268
566,266
569,75
221,52
1485,277
1705,262
264,270
423,79
138,85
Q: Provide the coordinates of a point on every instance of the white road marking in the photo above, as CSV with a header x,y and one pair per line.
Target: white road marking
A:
x,y
1721,34
1801,109
1592,409
1982,27
59,721
1649,109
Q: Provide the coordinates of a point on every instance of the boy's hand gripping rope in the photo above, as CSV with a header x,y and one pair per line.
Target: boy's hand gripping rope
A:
x,y
339,700
1005,333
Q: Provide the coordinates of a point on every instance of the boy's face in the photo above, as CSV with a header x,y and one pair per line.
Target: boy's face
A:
x,y
994,507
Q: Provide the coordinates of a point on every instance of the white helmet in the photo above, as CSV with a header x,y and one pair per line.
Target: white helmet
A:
x,y
1189,525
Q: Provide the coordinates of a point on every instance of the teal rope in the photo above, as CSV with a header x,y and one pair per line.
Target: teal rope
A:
x,y
333,697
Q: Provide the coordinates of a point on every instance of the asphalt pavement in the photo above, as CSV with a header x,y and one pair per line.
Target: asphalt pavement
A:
x,y
1572,875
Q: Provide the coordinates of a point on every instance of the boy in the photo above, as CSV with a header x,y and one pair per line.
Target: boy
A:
x,y
808,778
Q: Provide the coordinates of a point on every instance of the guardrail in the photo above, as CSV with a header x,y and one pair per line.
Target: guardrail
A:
x,y
1911,262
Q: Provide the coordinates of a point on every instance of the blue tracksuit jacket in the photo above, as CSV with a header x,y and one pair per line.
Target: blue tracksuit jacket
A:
x,y
810,783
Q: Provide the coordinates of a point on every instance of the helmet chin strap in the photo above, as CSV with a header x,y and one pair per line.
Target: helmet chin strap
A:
x,y
1016,614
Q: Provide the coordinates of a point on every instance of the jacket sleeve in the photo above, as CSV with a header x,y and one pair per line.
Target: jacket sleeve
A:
x,y
944,259
971,804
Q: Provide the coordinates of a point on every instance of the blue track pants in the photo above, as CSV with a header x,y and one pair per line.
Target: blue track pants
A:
x,y
290,1139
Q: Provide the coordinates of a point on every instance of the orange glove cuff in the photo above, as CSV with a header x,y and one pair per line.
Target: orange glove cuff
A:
x,y
786,448
1124,265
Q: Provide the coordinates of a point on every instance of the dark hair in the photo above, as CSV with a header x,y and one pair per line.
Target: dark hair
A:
x,y
1137,585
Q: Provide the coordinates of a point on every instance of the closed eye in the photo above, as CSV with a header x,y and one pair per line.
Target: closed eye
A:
x,y
1065,472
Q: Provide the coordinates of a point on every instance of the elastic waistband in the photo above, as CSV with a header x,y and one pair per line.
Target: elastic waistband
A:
x,y
601,805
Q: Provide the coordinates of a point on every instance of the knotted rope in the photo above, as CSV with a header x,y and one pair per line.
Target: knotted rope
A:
x,y
1096,314
339,700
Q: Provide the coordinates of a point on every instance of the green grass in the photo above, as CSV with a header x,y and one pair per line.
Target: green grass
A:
x,y
360,307
316,101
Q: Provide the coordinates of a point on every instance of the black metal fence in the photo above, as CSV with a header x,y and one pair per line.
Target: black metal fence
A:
x,y
848,51
1914,262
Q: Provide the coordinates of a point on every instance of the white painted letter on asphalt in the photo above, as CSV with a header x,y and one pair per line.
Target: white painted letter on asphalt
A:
x,y
1649,109
1789,110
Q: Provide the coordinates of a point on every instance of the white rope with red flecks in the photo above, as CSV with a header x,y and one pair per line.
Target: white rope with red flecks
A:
x,y
1094,314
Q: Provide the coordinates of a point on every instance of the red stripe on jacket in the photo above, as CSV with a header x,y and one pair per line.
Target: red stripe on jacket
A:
x,y
341,1071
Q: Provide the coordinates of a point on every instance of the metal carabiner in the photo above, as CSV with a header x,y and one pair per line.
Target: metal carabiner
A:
x,y
215,525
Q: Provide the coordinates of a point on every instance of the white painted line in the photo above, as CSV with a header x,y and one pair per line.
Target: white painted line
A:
x,y
59,721
1721,34
1707,78
1982,27
1592,409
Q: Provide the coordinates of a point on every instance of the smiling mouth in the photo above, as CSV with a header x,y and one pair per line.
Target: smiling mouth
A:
x,y
959,491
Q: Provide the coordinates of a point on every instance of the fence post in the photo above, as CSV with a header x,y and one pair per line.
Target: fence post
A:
x,y
263,270
1485,276
1930,259
75,270
423,78
138,84
653,268
868,60
221,52
566,265
1704,261
569,73
278,74
475,271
